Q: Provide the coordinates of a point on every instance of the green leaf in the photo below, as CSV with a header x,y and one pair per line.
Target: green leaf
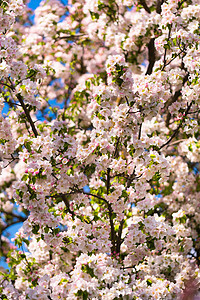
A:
x,y
3,141
84,294
34,179
88,270
149,282
87,84
3,297
89,170
94,16
190,147
150,243
35,229
25,177
27,144
46,229
183,219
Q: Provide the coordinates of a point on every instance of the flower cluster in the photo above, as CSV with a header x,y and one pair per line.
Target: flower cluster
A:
x,y
105,178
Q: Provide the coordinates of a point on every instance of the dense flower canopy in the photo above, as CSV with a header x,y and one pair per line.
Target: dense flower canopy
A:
x,y
100,149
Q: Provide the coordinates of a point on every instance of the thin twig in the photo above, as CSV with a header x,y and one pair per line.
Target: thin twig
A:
x,y
140,131
116,148
177,129
173,99
66,201
169,62
176,142
165,54
22,219
21,101
19,97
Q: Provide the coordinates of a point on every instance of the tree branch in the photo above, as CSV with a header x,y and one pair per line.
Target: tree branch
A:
x,y
108,181
143,3
158,6
151,55
112,229
119,241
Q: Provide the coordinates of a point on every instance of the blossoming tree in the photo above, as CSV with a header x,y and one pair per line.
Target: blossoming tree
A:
x,y
100,149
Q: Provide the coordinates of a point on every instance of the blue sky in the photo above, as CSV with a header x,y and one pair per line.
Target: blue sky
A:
x,y
34,3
